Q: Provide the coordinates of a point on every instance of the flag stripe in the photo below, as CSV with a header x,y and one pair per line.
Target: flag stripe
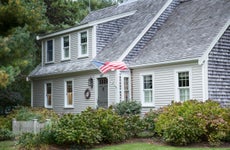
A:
x,y
107,66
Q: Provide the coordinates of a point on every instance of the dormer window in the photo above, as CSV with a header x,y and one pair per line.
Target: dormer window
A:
x,y
83,44
49,51
65,48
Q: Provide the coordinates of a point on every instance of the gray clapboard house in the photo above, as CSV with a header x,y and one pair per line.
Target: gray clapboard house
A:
x,y
175,50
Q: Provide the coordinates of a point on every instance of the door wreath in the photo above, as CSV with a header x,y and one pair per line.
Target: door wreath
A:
x,y
87,93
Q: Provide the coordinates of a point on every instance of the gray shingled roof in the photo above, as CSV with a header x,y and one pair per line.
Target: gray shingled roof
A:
x,y
60,68
146,11
110,11
187,33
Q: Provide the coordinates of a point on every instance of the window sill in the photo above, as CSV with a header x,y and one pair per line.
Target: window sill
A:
x,y
51,62
67,59
148,105
49,107
82,57
69,107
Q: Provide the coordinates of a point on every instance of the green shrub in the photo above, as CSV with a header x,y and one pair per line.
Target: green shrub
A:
x,y
26,114
29,141
149,120
111,125
193,121
5,134
133,125
128,108
73,129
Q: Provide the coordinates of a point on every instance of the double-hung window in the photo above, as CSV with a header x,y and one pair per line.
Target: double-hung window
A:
x,y
48,95
65,48
147,90
83,44
49,51
68,93
183,85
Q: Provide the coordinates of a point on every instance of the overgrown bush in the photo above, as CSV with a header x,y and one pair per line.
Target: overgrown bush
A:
x,y
111,125
128,108
26,114
29,140
149,119
5,134
133,125
193,121
73,129
90,127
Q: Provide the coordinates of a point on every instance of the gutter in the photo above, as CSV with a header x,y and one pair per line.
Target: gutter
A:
x,y
164,63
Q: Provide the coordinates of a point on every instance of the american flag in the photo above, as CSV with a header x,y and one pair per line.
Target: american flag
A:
x,y
104,67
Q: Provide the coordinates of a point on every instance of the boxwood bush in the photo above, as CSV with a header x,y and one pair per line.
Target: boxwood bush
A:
x,y
193,121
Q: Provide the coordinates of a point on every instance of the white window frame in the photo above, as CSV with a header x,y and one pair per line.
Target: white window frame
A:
x,y
63,48
45,94
46,51
66,105
177,88
80,55
147,104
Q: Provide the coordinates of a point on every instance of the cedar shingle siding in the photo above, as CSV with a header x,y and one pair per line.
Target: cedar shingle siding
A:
x,y
219,70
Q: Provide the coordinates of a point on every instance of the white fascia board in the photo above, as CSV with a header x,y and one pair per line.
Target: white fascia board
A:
x,y
112,18
145,30
164,63
204,57
89,24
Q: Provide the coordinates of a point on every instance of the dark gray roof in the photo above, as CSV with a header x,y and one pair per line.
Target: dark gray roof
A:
x,y
187,33
110,11
61,68
146,10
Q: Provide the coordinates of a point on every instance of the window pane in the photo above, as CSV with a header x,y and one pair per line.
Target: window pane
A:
x,y
84,49
49,50
184,94
183,79
126,88
69,89
66,52
48,94
66,41
83,37
148,96
148,82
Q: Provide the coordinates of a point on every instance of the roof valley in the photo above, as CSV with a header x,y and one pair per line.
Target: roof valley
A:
x,y
151,31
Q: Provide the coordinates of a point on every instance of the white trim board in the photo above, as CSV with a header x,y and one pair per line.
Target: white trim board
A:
x,y
84,26
205,55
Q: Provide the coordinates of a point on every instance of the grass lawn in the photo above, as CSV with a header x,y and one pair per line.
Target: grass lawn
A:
x,y
7,145
146,146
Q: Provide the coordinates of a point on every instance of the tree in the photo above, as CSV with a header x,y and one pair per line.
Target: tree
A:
x,y
18,19
62,13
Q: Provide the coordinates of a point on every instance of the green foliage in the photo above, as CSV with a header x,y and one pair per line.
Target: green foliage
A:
x,y
193,121
149,120
63,14
128,108
26,114
111,125
133,125
71,129
89,128
28,141
5,134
